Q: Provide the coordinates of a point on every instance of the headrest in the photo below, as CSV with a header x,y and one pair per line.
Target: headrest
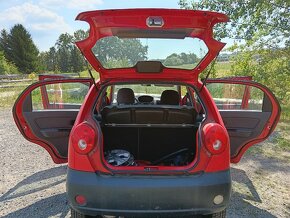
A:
x,y
125,96
169,97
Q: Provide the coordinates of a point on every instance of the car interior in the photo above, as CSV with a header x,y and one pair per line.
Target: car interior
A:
x,y
150,129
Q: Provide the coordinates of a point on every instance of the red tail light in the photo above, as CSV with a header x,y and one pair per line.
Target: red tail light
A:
x,y
83,138
81,200
215,138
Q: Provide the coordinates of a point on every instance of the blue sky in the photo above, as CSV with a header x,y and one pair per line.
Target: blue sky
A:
x,y
47,19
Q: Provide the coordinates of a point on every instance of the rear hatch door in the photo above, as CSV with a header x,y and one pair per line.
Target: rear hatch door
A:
x,y
124,43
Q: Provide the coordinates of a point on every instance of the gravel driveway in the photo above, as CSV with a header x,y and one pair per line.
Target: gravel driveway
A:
x,y
31,185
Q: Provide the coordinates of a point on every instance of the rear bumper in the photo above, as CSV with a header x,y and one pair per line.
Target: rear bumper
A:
x,y
148,195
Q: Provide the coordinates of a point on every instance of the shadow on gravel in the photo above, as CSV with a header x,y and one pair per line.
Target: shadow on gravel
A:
x,y
272,164
241,177
49,207
36,182
239,204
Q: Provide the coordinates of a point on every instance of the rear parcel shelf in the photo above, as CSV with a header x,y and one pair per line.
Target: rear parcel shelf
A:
x,y
141,116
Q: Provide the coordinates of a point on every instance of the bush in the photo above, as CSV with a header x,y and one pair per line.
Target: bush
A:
x,y
32,76
269,67
6,67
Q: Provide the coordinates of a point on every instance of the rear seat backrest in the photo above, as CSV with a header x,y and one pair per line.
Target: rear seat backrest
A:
x,y
116,115
148,115
183,116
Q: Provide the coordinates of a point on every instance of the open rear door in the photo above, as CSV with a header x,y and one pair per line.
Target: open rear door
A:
x,y
250,112
45,113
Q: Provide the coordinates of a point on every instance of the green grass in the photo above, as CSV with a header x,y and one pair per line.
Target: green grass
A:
x,y
283,139
223,69
71,93
86,74
283,143
184,66
285,112
8,96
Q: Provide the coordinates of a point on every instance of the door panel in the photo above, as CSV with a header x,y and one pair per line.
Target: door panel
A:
x,y
243,126
45,113
249,110
53,127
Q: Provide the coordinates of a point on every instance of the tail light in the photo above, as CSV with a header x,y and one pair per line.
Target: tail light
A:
x,y
83,138
81,200
215,138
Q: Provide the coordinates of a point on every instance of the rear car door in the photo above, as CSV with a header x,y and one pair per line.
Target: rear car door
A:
x,y
45,113
250,112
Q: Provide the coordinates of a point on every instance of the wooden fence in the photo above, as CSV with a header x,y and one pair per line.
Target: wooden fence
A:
x,y
21,80
13,77
11,81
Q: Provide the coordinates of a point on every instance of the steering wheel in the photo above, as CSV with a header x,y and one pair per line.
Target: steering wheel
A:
x,y
145,99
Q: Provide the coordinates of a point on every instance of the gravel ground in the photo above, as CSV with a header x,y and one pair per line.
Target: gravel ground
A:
x,y
31,185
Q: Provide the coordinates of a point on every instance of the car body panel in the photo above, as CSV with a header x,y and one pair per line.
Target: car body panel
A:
x,y
105,23
49,127
248,127
95,161
235,121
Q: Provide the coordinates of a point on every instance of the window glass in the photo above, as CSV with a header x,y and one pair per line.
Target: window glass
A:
x,y
153,90
59,96
236,96
115,52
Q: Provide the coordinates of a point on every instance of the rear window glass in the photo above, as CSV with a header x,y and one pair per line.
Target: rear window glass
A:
x,y
115,52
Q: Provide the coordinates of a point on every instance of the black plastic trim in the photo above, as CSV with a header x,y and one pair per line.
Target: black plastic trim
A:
x,y
147,196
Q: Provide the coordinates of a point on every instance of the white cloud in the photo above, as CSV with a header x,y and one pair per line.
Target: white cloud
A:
x,y
45,19
80,5
34,18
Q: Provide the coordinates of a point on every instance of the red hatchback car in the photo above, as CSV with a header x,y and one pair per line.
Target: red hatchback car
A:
x,y
148,139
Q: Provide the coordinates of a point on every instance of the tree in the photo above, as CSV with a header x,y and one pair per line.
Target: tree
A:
x,y
114,49
173,61
64,56
52,64
192,58
263,28
76,60
251,20
134,51
20,49
65,41
42,58
6,67
4,42
179,59
64,45
184,57
80,35
49,60
267,66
